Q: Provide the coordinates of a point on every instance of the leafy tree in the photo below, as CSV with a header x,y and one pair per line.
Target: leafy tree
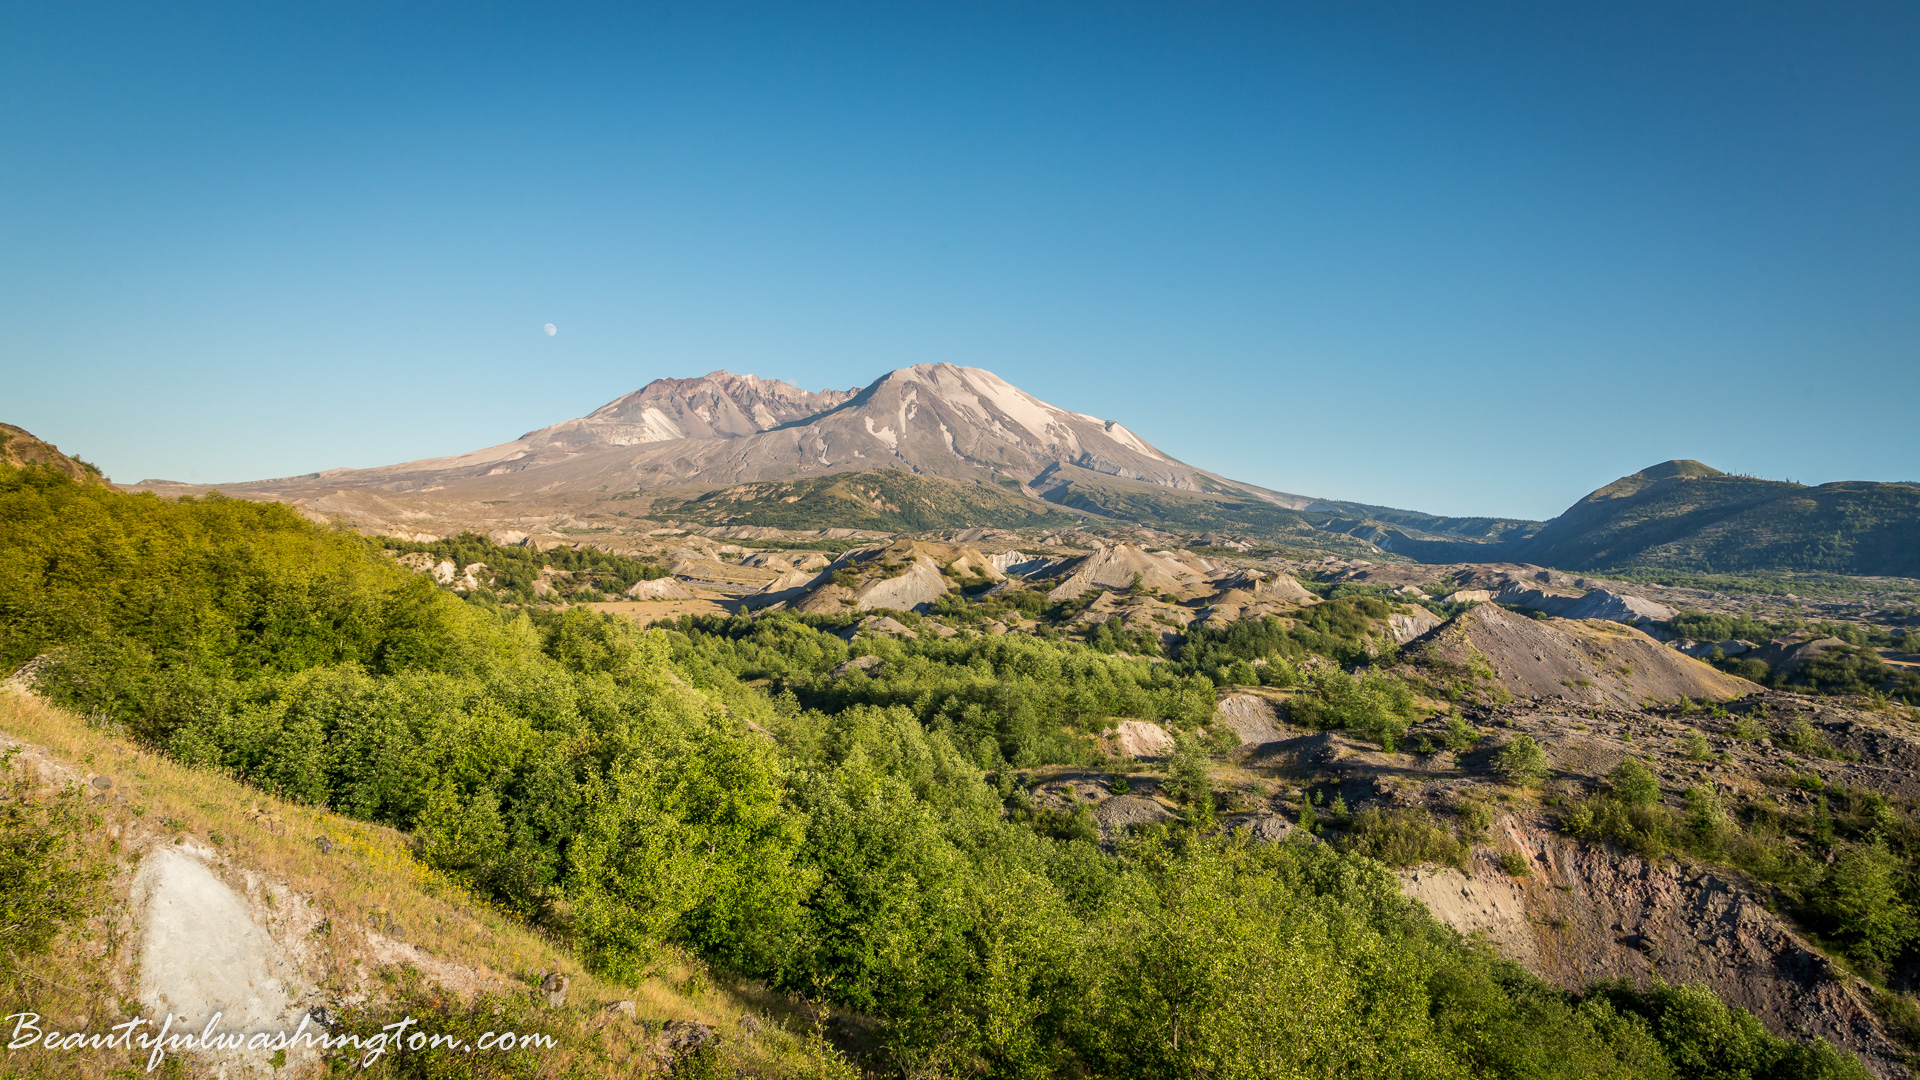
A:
x,y
1860,899
1634,784
1521,761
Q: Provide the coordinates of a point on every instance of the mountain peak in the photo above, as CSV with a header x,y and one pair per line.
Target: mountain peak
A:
x,y
1686,468
717,405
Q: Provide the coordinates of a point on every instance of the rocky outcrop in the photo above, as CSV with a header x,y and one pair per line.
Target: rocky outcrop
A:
x,y
1597,604
1585,913
1021,564
1120,566
18,447
1252,718
659,589
1408,625
879,626
1590,661
1139,739
1787,657
1122,812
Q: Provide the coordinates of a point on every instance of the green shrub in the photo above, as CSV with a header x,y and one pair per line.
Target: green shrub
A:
x,y
50,874
1634,784
1373,703
1189,770
1461,736
1802,738
1403,837
1475,819
1697,748
1521,761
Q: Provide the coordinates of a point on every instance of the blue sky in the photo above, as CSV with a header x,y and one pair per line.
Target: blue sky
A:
x,y
1458,258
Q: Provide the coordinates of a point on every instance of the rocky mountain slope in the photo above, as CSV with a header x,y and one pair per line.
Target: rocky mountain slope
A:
x,y
18,446
696,437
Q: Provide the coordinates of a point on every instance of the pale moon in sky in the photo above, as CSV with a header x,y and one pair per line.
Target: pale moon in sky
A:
x,y
552,329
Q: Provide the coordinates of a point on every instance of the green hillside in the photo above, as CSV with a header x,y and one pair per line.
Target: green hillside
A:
x,y
1684,515
887,500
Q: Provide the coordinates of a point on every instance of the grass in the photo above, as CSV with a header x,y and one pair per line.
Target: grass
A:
x,y
369,878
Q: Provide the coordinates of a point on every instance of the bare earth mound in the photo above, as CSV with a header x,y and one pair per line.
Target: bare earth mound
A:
x,y
1590,661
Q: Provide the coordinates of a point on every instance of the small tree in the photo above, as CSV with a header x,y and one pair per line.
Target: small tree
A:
x,y
1860,896
1521,761
1189,778
1634,783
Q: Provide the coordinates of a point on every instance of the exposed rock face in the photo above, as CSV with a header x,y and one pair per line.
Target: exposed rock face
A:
x,y
1118,814
879,626
1021,564
1407,625
920,584
858,663
1116,568
19,447
202,952
1251,717
659,589
939,420
718,405
1589,661
1139,739
902,576
1598,604
1787,657
1284,588
1589,912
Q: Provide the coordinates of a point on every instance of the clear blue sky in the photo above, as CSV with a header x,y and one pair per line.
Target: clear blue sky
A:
x,y
1465,259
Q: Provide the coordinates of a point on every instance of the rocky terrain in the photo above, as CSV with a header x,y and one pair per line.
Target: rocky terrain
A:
x,y
18,446
1501,862
940,502
686,436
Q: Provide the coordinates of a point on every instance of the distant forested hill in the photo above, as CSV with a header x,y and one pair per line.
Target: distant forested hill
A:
x,y
1688,516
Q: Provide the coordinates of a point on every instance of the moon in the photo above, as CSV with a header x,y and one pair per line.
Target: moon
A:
x,y
552,329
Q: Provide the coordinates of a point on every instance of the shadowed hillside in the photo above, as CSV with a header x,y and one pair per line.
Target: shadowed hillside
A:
x,y
1687,516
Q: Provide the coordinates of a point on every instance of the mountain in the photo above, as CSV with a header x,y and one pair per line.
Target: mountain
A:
x,y
722,434
19,447
1685,515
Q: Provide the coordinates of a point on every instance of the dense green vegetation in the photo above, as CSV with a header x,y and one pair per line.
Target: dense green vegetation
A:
x,y
1685,516
887,500
590,574
1776,583
1851,669
848,838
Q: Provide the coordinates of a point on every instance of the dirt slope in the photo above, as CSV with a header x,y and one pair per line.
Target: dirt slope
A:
x,y
1590,661
18,446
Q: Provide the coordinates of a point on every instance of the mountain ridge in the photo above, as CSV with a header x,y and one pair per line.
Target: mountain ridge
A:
x,y
721,430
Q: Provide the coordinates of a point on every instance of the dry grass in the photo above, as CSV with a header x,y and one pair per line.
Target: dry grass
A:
x,y
371,905
647,612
